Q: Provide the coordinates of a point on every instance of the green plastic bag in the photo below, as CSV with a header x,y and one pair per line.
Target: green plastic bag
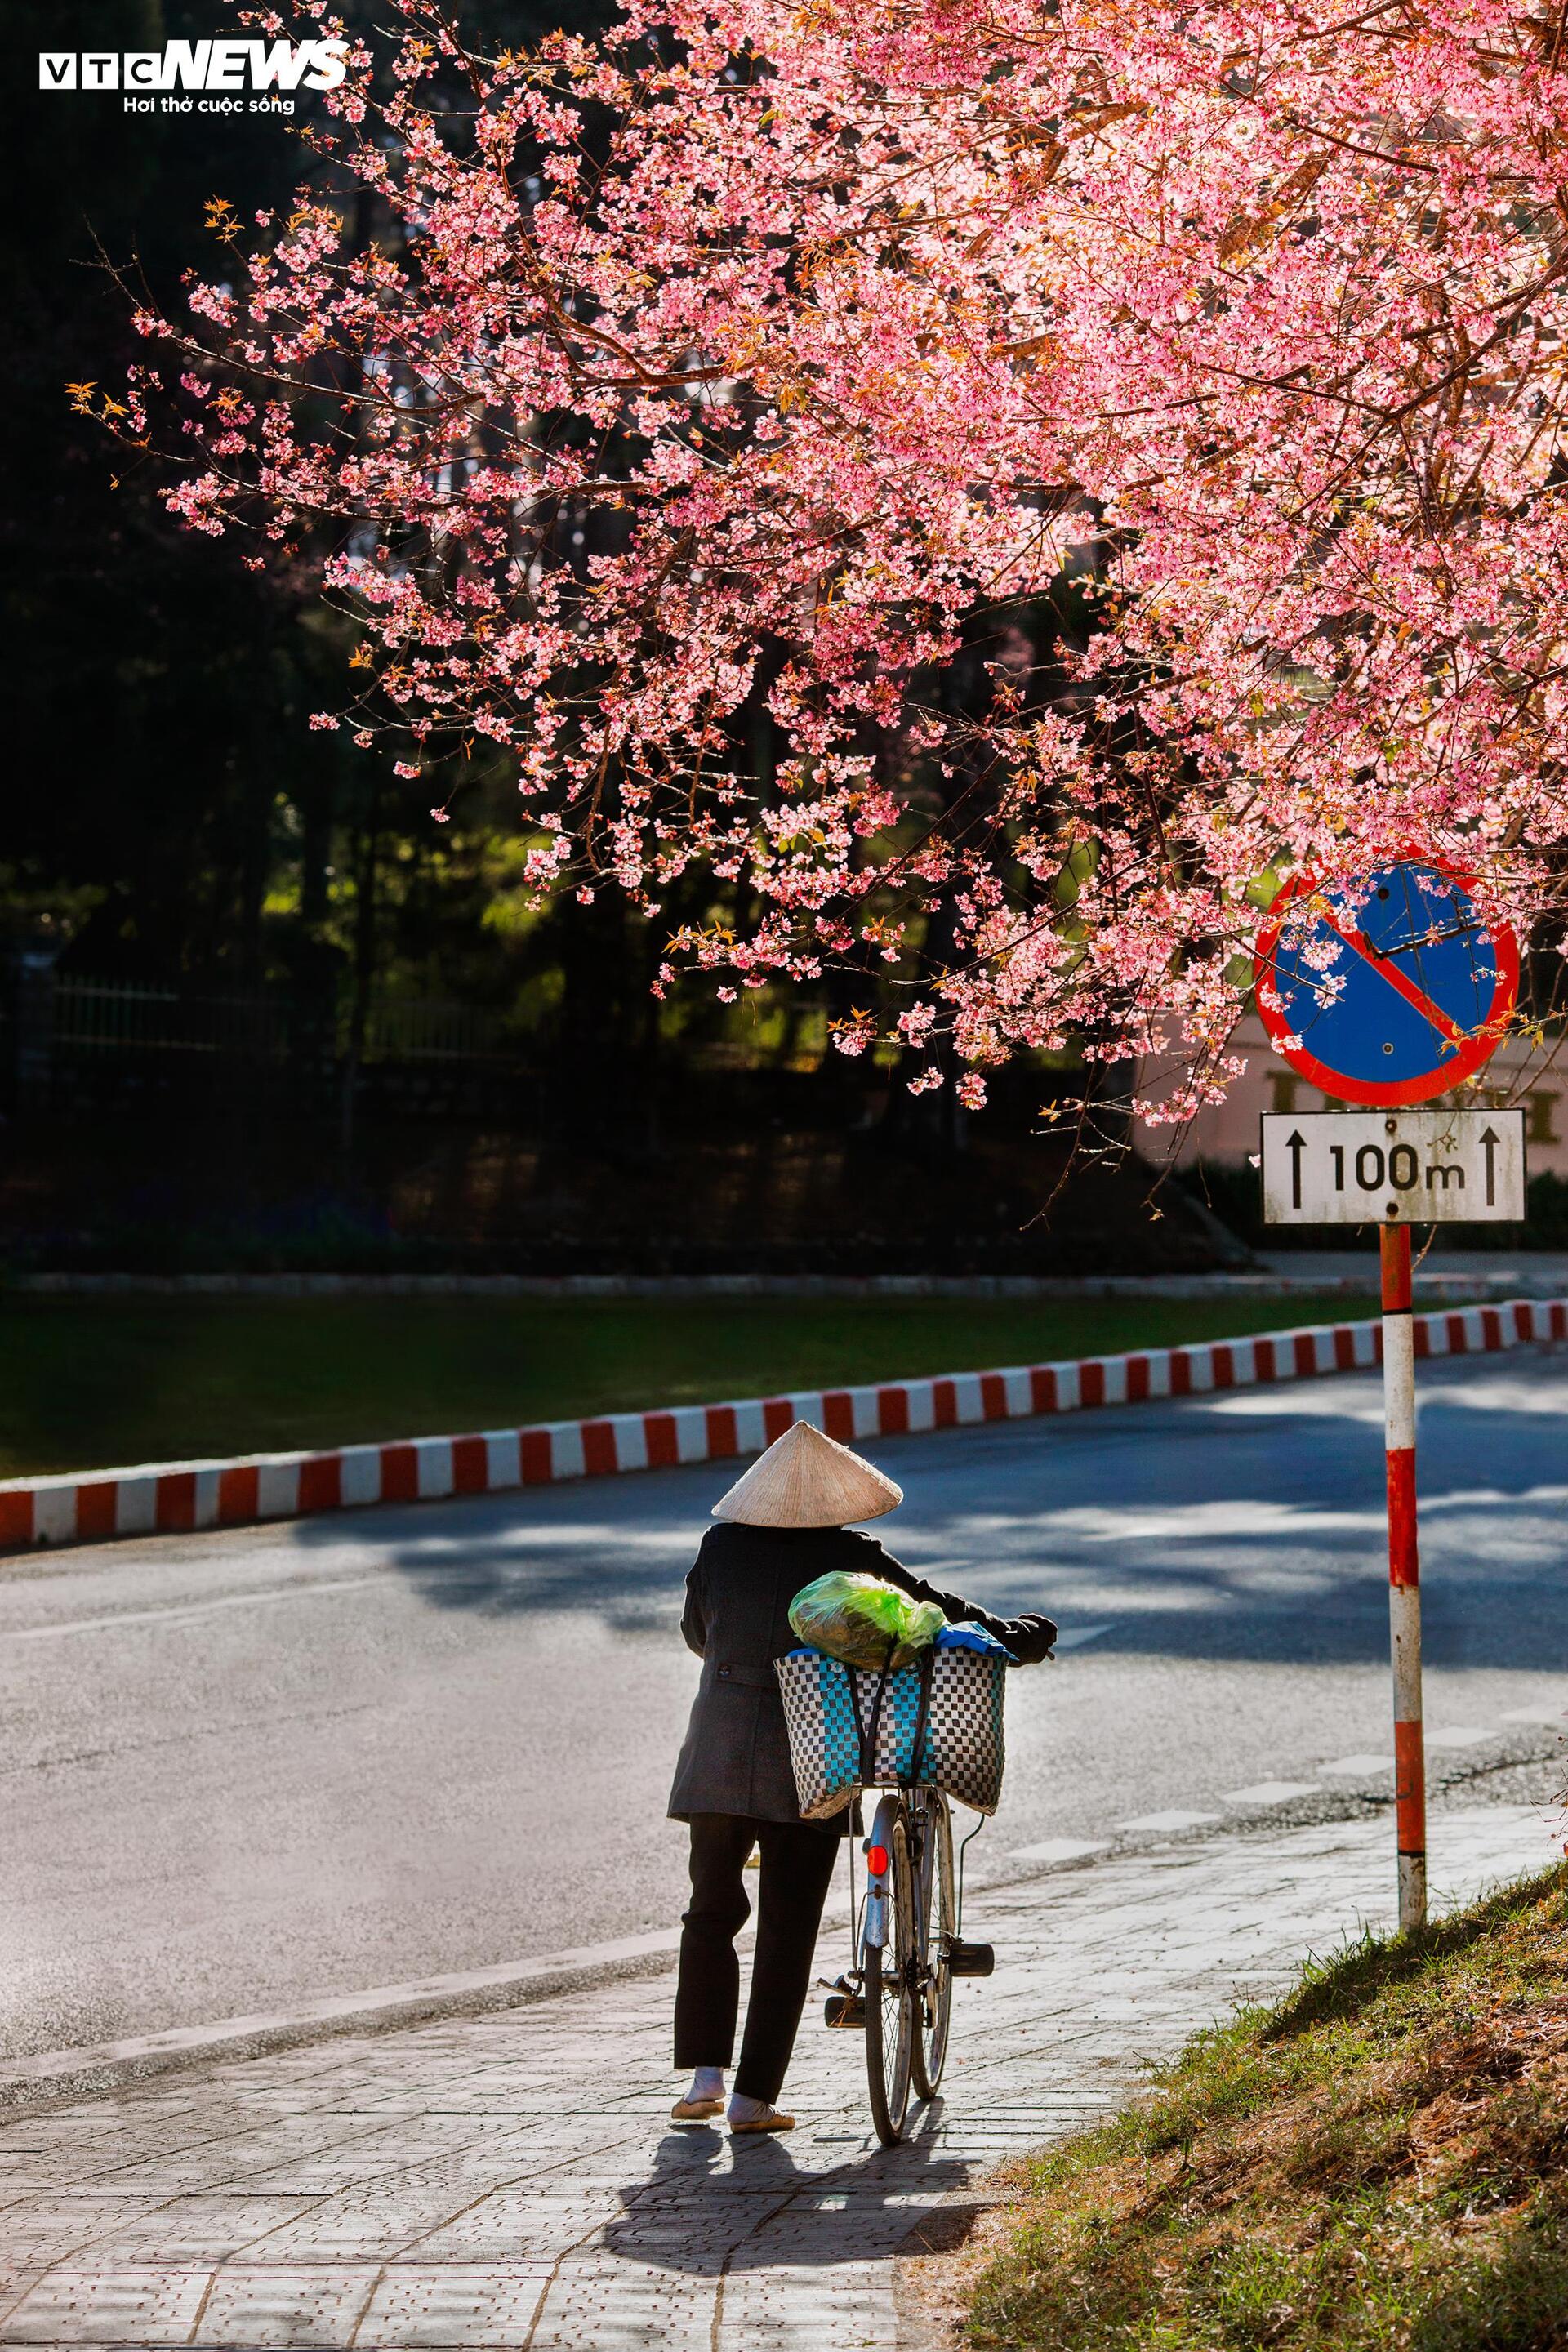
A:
x,y
857,1619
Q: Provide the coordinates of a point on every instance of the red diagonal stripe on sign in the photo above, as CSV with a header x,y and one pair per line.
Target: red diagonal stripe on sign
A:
x,y
1401,984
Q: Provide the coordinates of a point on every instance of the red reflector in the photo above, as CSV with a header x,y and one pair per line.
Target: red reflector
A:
x,y
876,1861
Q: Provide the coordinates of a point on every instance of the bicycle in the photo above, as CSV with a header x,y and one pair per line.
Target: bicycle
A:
x,y
909,1950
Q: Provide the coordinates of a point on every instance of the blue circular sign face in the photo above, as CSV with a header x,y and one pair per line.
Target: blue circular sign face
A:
x,y
1387,988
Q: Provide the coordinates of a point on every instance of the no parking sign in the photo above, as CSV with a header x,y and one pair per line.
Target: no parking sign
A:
x,y
1387,989
1383,991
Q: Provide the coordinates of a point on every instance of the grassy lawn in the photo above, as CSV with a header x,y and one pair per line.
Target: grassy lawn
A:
x,y
1380,2165
92,1383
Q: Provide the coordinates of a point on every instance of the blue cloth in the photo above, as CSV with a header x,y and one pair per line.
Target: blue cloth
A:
x,y
974,1637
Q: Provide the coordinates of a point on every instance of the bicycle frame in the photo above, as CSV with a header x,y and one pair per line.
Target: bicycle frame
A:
x,y
874,1919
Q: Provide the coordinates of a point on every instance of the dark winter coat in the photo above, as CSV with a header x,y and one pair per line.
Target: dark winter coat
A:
x,y
736,1755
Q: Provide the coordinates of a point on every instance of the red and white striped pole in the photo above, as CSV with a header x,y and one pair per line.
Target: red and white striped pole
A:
x,y
1404,1573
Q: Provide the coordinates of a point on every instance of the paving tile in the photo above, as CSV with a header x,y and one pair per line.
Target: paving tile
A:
x,y
614,2308
149,2307
189,2230
488,2306
443,2187
505,2227
279,2306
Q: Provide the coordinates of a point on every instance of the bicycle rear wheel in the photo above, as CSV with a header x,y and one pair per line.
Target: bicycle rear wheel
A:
x,y
891,1996
938,1924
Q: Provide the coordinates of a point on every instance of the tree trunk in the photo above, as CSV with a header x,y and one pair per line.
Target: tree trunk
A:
x,y
367,852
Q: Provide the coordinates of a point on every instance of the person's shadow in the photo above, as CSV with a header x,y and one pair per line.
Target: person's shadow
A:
x,y
713,2205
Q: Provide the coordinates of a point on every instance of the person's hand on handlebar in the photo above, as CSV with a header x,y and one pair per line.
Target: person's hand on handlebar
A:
x,y
1029,1637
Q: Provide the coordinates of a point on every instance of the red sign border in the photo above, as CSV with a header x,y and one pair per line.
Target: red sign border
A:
x,y
1466,1059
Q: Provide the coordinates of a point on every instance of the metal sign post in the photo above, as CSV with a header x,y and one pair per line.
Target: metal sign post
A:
x,y
1389,990
1404,1573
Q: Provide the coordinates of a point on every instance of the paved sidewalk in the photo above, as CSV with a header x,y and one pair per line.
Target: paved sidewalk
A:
x,y
511,2180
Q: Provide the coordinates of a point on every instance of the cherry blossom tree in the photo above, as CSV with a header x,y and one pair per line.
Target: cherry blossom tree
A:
x,y
1197,371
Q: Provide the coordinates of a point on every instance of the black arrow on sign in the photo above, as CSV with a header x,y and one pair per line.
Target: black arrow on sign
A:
x,y
1296,1144
1489,1142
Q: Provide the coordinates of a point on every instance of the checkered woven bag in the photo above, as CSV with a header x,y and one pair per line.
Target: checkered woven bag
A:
x,y
850,1728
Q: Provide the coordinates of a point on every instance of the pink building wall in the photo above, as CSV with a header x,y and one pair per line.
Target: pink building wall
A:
x,y
1517,1073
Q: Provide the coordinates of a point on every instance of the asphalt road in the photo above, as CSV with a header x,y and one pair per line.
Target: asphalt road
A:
x,y
244,1769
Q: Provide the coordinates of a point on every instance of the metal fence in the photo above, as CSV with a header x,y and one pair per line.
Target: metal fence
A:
x,y
430,1029
119,1019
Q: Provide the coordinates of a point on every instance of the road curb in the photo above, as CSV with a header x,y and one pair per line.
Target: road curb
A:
x,y
51,2077
1437,1282
181,1497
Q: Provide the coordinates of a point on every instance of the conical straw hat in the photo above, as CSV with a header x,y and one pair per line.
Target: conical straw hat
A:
x,y
807,1480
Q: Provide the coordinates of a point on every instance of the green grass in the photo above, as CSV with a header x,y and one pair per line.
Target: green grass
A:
x,y
1380,2165
92,1383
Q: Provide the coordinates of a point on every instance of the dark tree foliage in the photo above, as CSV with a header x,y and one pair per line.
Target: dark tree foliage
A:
x,y
169,810
173,820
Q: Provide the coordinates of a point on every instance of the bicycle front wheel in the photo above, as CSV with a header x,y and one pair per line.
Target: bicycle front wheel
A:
x,y
939,1925
891,1996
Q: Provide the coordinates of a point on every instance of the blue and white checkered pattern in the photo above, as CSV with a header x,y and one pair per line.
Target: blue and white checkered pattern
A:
x,y
963,1752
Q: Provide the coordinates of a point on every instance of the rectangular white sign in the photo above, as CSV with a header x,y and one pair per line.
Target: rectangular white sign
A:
x,y
1414,1167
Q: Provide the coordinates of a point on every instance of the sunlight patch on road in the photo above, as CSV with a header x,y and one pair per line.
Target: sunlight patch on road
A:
x,y
121,1618
1237,1515
561,1535
1073,1637
1294,1399
1539,1398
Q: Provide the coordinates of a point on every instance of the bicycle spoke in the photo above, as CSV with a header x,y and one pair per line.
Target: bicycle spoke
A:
x,y
937,1925
892,2027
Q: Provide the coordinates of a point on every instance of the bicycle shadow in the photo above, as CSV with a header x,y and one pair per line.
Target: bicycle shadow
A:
x,y
714,2206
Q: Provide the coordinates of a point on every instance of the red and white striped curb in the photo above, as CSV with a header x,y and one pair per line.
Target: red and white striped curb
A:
x,y
173,1497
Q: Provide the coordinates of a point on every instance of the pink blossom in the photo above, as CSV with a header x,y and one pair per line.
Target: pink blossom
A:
x,y
940,319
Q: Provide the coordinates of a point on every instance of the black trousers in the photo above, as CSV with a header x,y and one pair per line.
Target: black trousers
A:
x,y
797,1859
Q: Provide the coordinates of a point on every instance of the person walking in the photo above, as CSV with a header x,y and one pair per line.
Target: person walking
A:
x,y
785,1522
